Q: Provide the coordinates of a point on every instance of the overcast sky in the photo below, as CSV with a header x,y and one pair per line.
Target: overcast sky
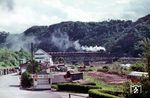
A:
x,y
18,15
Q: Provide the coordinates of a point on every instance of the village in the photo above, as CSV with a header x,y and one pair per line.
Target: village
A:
x,y
78,74
74,49
46,72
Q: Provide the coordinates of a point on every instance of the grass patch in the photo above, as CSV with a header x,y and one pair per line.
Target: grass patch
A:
x,y
104,85
95,93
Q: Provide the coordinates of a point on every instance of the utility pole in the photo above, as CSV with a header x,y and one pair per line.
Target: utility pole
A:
x,y
32,63
32,51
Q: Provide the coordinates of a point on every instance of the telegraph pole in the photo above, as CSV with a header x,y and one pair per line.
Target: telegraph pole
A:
x,y
32,51
32,63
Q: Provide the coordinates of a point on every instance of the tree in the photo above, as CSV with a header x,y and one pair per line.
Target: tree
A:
x,y
146,45
33,67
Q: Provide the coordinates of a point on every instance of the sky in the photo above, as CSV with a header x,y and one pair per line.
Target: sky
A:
x,y
18,15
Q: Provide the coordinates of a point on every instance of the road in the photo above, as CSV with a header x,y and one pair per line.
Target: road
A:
x,y
9,88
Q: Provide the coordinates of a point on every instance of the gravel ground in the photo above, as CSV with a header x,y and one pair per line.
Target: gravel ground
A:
x,y
109,78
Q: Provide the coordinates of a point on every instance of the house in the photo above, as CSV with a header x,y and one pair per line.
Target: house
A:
x,y
43,57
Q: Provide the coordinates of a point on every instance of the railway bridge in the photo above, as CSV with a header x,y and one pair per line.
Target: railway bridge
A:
x,y
90,57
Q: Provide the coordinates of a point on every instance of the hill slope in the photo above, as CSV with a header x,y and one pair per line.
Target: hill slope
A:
x,y
117,36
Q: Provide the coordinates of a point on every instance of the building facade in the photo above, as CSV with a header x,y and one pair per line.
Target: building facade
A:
x,y
43,57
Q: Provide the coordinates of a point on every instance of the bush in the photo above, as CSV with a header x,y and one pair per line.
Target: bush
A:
x,y
90,69
76,87
101,70
104,69
138,67
89,83
112,92
26,80
33,67
96,93
54,86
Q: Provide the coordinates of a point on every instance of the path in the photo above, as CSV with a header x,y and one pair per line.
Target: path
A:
x,y
9,88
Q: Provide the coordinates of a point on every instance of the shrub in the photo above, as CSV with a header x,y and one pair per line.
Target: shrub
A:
x,y
90,69
96,93
104,69
89,83
54,86
101,70
76,87
138,67
26,80
112,92
33,67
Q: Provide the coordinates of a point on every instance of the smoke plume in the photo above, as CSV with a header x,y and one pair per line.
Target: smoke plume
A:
x,y
18,41
7,4
61,40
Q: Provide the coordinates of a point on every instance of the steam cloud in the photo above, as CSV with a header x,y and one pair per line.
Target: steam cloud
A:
x,y
7,4
18,41
61,40
93,49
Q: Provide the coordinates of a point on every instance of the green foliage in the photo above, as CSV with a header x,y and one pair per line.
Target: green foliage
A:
x,y
126,88
23,54
8,58
128,94
103,69
26,80
33,67
96,93
2,64
138,67
76,87
104,85
145,87
89,83
11,58
118,36
145,82
112,92
54,86
146,46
